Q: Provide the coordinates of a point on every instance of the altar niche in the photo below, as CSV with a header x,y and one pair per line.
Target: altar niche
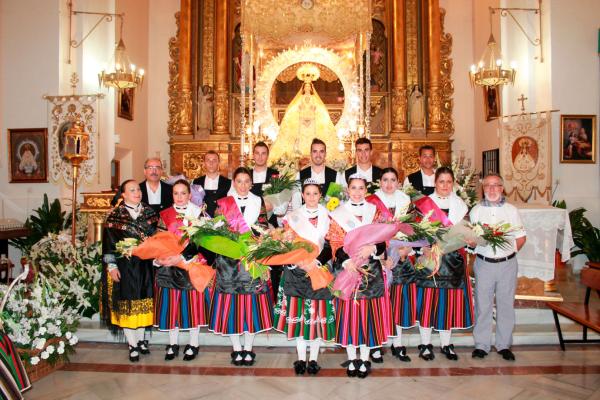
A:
x,y
203,59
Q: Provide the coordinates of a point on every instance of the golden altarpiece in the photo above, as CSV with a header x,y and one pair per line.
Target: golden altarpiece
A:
x,y
401,50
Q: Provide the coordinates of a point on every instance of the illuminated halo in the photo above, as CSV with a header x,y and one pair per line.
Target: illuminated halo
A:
x,y
308,73
341,66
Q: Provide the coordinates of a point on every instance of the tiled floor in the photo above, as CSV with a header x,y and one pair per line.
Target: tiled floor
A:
x,y
102,371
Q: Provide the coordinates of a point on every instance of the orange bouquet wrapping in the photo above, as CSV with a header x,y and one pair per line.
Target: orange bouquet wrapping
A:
x,y
167,244
303,251
320,277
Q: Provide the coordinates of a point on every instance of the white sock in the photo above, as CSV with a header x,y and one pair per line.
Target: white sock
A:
x,y
351,351
248,340
425,335
445,338
314,349
364,352
235,341
425,338
195,337
139,332
301,348
397,341
130,336
173,336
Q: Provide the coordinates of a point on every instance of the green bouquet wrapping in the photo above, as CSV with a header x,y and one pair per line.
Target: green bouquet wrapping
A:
x,y
214,235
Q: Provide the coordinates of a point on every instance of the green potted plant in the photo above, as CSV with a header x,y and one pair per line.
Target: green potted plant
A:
x,y
585,236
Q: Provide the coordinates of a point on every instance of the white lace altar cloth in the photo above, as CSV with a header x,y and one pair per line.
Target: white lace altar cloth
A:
x,y
548,229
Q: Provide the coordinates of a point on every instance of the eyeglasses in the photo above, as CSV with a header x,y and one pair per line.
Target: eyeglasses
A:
x,y
153,167
493,186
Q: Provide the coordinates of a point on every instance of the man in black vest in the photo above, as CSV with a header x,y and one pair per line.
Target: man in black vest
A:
x,y
424,179
261,174
215,186
364,149
156,193
317,170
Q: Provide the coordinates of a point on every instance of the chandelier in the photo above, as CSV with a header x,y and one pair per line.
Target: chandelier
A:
x,y
121,73
489,71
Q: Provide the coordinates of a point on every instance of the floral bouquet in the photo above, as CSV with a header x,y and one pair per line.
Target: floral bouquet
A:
x,y
464,186
334,196
411,192
319,276
217,236
168,244
278,192
495,235
276,247
430,259
125,247
457,237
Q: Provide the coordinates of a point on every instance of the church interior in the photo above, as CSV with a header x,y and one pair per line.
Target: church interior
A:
x,y
91,90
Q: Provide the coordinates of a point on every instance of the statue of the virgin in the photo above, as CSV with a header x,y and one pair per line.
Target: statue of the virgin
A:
x,y
305,118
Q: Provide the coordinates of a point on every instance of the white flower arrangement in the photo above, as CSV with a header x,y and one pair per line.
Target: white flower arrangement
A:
x,y
39,326
73,271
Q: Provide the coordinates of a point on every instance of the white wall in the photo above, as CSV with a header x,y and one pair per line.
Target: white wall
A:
x,y
29,68
575,90
161,28
459,23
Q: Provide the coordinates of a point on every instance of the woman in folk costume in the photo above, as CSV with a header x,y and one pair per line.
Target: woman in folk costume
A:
x,y
178,306
302,312
127,282
363,321
444,300
241,305
392,203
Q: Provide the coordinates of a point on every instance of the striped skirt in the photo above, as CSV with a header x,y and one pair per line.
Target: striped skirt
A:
x,y
445,309
306,318
234,314
183,309
362,322
404,304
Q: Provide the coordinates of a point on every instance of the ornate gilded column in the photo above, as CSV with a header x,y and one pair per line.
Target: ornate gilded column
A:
x,y
221,115
186,122
399,92
435,99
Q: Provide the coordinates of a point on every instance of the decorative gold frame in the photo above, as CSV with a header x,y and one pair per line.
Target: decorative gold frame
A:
x,y
38,136
206,27
122,113
585,121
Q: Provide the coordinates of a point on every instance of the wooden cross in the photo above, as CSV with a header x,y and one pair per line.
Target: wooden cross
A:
x,y
522,100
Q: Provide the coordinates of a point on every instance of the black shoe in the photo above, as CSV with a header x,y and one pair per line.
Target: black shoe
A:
x,y
300,367
194,350
400,353
478,353
507,354
313,368
351,372
234,356
376,360
175,352
449,352
364,374
143,346
134,354
245,355
427,357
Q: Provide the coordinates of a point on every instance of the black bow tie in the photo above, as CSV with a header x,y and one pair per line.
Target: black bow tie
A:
x,y
180,209
358,205
243,198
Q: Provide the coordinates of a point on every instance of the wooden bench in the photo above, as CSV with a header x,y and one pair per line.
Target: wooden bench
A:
x,y
582,313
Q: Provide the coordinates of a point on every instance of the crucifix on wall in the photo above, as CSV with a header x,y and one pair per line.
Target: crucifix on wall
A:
x,y
522,100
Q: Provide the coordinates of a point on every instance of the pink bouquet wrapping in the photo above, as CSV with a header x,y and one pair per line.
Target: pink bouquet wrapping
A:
x,y
346,283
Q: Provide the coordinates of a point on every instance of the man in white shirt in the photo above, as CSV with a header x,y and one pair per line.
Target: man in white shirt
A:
x,y
261,174
496,272
364,166
424,179
318,171
156,193
215,186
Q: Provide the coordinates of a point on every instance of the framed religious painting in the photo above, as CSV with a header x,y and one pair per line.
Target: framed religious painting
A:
x,y
491,102
578,139
28,155
125,103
